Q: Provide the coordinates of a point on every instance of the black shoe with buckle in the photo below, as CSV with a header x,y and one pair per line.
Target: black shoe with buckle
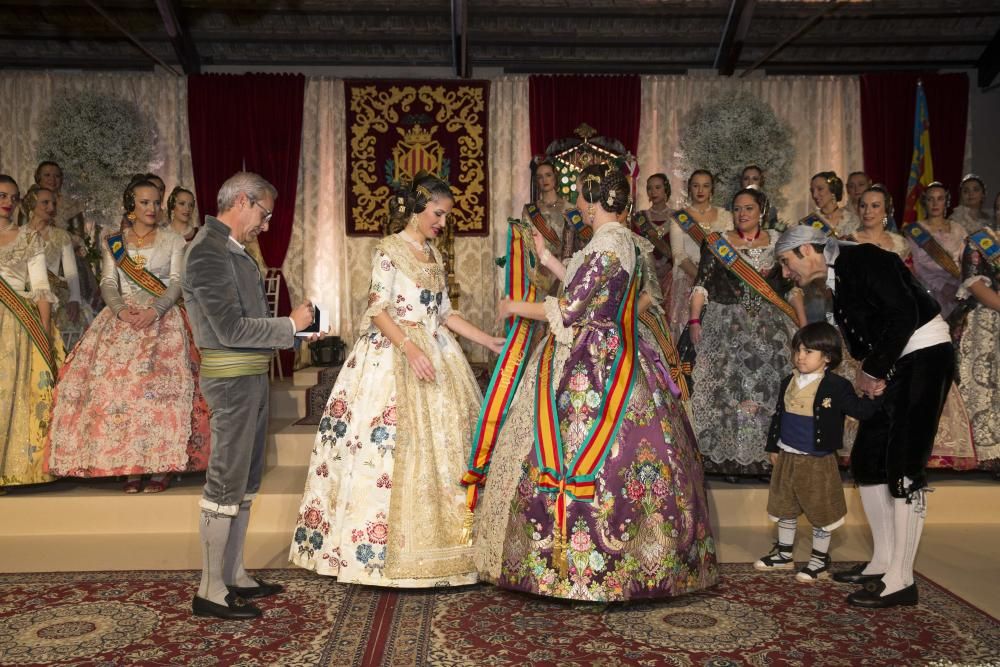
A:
x,y
235,609
776,560
855,575
871,596
261,590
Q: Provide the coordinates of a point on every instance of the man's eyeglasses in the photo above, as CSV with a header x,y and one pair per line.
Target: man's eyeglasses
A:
x,y
267,212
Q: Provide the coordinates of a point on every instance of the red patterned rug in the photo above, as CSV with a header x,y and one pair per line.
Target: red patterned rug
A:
x,y
143,618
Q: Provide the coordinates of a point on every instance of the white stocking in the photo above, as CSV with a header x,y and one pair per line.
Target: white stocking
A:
x,y
908,523
878,506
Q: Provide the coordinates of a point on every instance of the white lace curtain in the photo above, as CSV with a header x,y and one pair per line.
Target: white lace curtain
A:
x,y
26,96
823,111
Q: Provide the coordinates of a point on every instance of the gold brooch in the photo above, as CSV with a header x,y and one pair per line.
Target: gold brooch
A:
x,y
826,403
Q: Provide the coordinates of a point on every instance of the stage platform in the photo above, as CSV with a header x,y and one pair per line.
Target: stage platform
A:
x,y
82,526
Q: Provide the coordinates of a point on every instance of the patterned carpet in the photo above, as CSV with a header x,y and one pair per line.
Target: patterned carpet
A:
x,y
143,618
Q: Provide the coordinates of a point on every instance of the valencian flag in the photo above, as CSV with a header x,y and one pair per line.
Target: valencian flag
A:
x,y
921,168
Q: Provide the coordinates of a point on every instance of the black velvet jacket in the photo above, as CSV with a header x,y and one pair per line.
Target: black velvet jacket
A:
x,y
835,399
878,304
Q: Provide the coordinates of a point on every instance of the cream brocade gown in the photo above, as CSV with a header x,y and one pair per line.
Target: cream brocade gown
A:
x,y
382,504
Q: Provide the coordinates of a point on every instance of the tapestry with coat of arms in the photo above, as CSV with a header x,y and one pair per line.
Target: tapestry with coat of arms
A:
x,y
396,129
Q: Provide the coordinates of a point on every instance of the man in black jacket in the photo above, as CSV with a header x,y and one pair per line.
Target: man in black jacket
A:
x,y
893,325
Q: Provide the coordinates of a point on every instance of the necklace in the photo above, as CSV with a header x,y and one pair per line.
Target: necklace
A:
x,y
750,240
140,241
701,211
423,248
662,209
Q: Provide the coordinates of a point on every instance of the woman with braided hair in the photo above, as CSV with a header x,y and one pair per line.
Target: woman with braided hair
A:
x,y
595,491
128,400
382,505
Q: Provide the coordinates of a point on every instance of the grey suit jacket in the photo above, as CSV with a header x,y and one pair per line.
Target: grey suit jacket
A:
x,y
224,296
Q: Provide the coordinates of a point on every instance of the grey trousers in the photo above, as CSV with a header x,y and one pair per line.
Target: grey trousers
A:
x,y
239,408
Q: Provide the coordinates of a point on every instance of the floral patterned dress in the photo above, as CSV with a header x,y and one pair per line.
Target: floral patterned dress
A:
x,y
646,534
382,505
743,355
979,358
128,402
26,381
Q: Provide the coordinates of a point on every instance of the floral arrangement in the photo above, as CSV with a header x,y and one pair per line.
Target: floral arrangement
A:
x,y
726,134
99,142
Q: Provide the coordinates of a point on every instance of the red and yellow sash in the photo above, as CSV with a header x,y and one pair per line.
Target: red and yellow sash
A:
x,y
509,368
679,370
577,479
732,260
690,226
575,218
923,238
648,232
538,220
139,275
27,315
986,243
814,221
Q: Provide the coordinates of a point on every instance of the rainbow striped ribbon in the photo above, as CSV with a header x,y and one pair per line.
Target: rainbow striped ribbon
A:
x,y
538,220
139,276
27,315
929,245
732,260
577,480
509,369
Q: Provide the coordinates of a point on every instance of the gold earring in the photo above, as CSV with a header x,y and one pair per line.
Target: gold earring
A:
x,y
131,216
413,221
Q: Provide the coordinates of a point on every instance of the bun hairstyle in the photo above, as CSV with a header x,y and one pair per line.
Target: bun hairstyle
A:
x,y
666,183
30,200
833,181
758,196
887,199
704,172
414,198
172,199
947,195
128,197
605,184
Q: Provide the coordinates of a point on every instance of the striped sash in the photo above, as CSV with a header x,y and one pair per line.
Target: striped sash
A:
x,y
690,226
28,317
139,276
509,369
648,232
578,478
923,238
986,243
538,220
813,220
730,258
680,371
575,218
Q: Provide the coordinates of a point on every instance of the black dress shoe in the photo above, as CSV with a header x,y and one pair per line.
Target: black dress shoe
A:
x,y
871,596
261,590
855,575
235,609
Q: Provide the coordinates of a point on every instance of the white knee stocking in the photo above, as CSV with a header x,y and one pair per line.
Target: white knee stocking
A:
x,y
908,524
878,506
214,531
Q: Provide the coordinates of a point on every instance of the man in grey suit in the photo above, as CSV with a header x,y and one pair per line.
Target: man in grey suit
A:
x,y
230,318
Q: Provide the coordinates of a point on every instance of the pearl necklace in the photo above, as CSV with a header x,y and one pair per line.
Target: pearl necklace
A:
x,y
701,211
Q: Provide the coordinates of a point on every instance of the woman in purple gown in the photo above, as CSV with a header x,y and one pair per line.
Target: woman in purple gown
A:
x,y
567,512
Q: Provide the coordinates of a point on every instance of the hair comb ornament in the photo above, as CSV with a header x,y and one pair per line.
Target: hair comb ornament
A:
x,y
402,204
611,197
424,192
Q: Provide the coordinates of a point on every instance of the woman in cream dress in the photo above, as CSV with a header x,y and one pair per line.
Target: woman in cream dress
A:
x,y
382,505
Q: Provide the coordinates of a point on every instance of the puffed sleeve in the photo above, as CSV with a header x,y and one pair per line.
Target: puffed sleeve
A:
x,y
169,298
677,236
566,312
110,291
380,288
38,272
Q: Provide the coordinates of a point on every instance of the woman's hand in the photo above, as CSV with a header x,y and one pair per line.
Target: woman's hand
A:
x,y
505,309
126,315
421,365
495,344
143,318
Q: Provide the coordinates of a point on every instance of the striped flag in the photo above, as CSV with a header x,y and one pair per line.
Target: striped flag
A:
x,y
921,167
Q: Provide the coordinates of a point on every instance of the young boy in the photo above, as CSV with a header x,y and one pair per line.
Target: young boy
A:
x,y
806,431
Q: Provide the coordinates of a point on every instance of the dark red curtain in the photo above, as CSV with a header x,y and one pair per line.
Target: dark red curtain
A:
x,y
609,104
249,122
888,102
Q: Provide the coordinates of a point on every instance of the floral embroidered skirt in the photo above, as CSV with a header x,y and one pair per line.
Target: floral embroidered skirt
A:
x,y
979,367
382,504
128,402
646,534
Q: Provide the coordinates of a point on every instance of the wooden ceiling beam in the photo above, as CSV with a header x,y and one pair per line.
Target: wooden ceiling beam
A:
x,y
734,34
180,38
